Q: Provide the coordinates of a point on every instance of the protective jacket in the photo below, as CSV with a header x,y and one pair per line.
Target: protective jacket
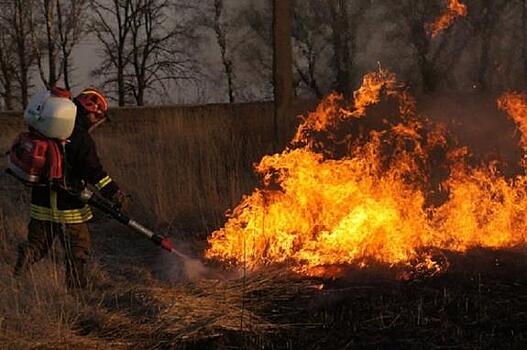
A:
x,y
82,165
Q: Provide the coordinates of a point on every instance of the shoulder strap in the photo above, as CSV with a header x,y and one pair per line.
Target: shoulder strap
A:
x,y
55,160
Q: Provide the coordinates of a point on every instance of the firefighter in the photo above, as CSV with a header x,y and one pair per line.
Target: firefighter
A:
x,y
56,212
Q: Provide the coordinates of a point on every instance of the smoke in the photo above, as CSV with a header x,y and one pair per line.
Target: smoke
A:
x,y
181,265
475,122
184,266
194,268
463,57
383,39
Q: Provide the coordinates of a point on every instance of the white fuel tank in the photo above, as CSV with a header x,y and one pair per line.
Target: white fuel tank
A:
x,y
52,116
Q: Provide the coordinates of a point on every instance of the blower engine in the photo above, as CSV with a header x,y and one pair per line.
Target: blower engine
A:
x,y
52,113
35,156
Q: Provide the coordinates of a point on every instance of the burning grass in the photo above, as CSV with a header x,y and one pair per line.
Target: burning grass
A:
x,y
386,194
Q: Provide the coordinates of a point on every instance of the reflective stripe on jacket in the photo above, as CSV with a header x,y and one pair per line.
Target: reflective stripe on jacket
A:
x,y
71,216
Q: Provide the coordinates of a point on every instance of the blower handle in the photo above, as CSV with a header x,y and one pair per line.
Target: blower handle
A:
x,y
103,204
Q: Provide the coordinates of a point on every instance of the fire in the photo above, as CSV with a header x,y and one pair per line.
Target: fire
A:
x,y
455,9
353,191
515,105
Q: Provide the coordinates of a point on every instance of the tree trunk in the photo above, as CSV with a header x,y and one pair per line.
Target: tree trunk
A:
x,y
123,27
121,92
312,77
120,85
63,47
222,43
7,82
486,34
141,86
22,54
427,68
282,65
50,34
429,74
7,75
340,28
8,96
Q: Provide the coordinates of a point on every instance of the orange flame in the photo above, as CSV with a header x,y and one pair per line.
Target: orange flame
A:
x,y
330,199
455,9
515,105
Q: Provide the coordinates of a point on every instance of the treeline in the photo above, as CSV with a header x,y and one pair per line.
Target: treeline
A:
x,y
148,51
335,42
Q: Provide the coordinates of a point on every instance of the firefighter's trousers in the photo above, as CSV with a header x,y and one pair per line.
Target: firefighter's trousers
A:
x,y
75,239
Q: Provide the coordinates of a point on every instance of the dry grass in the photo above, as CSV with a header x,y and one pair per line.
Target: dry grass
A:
x,y
128,307
186,168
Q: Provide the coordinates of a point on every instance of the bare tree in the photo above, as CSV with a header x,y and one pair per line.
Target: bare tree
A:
x,y
345,19
156,56
55,33
256,51
142,48
417,15
324,43
112,27
43,34
71,25
325,32
341,34
308,44
18,15
484,20
310,32
211,15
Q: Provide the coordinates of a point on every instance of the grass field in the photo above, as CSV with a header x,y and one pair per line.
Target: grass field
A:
x,y
185,167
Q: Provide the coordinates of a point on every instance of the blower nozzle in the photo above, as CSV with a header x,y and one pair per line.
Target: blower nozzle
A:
x,y
167,244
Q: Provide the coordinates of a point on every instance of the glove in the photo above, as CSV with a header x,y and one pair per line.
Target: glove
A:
x,y
122,201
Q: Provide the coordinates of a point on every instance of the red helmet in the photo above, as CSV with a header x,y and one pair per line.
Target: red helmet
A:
x,y
93,101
